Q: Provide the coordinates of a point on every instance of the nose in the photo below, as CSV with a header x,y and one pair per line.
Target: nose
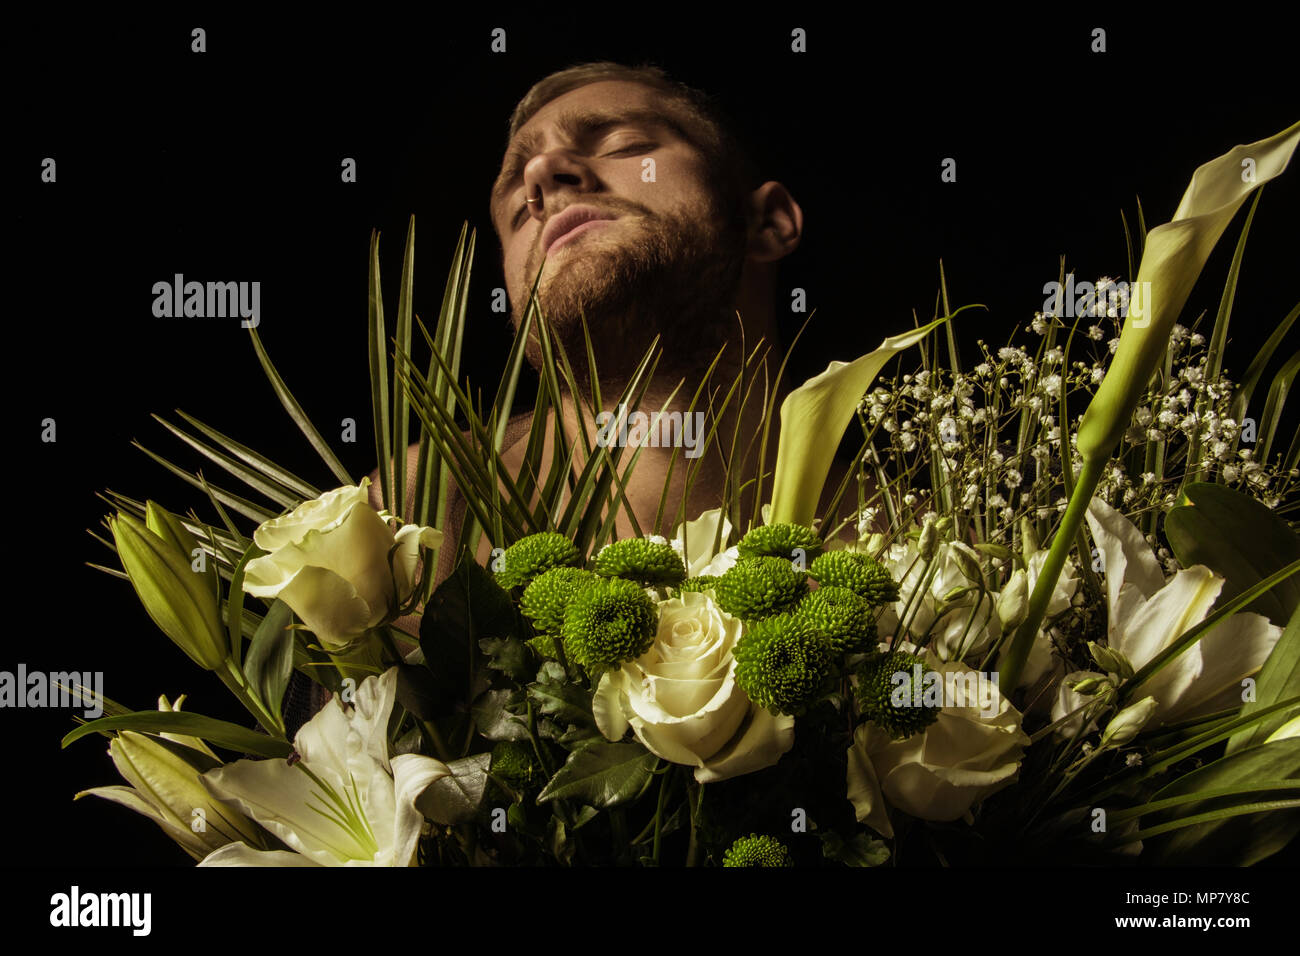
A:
x,y
548,173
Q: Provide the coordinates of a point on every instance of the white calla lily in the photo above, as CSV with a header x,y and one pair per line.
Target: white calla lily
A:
x,y
345,802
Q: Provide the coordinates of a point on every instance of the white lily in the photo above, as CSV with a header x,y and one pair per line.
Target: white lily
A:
x,y
345,802
1147,614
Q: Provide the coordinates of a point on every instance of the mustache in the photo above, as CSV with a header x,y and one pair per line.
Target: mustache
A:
x,y
616,207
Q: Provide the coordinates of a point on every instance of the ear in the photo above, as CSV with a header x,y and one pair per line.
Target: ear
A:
x,y
777,223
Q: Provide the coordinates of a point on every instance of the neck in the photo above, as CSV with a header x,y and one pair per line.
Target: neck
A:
x,y
711,441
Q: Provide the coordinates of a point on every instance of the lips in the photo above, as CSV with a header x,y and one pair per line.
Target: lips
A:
x,y
566,221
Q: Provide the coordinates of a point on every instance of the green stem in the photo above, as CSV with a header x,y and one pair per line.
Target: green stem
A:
x,y
695,796
1066,534
237,682
659,812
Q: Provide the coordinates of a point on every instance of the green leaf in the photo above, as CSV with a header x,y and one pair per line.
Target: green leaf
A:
x,y
602,774
295,411
509,655
270,658
1279,679
242,505
566,702
493,717
1255,371
1274,404
379,380
304,490
456,798
219,733
1233,839
401,404
862,850
1239,539
466,607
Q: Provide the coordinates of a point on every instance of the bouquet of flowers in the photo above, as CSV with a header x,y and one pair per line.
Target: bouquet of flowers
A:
x,y
1017,633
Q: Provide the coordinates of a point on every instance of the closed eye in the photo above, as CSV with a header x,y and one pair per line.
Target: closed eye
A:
x,y
634,148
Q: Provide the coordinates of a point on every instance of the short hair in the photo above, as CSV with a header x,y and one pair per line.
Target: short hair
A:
x,y
730,169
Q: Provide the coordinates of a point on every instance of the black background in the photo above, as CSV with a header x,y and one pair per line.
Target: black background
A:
x,y
225,166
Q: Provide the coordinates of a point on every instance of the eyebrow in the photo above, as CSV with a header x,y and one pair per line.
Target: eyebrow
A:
x,y
575,125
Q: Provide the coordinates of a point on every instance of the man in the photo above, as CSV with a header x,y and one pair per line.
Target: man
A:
x,y
645,215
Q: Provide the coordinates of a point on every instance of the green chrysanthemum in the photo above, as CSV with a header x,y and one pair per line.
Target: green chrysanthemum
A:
x,y
843,617
530,556
780,541
755,588
878,681
757,850
549,595
611,621
702,582
860,573
641,560
515,764
782,663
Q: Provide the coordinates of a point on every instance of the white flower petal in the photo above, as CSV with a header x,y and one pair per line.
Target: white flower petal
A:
x,y
240,854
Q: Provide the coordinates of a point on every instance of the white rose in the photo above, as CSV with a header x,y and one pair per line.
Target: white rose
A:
x,y
966,754
963,626
329,561
682,701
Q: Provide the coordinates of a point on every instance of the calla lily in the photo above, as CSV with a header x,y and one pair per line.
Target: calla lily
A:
x,y
1172,260
694,542
1147,614
813,417
345,802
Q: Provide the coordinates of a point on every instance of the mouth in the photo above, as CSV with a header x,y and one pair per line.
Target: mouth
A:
x,y
572,222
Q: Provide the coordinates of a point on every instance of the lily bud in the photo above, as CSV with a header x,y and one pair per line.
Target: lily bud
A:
x,y
1028,539
968,562
1111,660
1089,685
1013,602
166,788
1125,725
181,601
928,546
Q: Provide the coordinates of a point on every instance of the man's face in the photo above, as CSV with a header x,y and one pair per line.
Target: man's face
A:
x,y
662,254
